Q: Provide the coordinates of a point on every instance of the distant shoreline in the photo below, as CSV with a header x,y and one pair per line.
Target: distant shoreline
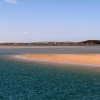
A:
x,y
65,58
46,43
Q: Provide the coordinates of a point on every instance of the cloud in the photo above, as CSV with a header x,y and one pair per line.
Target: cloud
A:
x,y
25,32
12,1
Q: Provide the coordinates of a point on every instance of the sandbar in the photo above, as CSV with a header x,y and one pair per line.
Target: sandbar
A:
x,y
71,58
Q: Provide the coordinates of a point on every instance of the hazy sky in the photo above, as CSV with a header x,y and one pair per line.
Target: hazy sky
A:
x,y
49,20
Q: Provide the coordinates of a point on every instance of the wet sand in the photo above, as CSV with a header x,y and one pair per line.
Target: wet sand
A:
x,y
37,46
68,58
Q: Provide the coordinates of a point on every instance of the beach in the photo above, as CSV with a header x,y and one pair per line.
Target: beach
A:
x,y
50,71
69,58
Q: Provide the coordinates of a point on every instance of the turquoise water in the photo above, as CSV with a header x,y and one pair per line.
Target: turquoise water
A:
x,y
27,80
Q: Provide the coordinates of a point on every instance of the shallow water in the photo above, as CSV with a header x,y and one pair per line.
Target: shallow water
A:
x,y
27,80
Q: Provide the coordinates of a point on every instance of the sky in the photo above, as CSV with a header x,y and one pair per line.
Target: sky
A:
x,y
49,20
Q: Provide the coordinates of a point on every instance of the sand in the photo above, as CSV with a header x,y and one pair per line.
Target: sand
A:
x,y
22,46
71,58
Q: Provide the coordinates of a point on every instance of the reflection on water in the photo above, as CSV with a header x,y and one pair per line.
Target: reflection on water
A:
x,y
26,80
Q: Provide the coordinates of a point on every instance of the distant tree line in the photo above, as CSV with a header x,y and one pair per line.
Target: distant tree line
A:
x,y
87,42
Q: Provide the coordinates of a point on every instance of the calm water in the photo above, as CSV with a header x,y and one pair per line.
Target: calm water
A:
x,y
28,80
